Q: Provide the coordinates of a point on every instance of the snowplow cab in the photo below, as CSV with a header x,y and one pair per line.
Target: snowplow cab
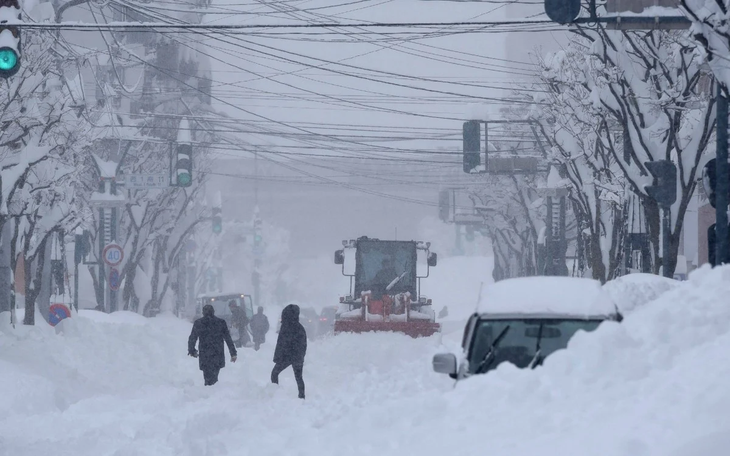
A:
x,y
385,287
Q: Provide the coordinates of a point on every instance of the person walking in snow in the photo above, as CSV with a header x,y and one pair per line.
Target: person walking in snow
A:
x,y
239,320
212,332
259,328
291,347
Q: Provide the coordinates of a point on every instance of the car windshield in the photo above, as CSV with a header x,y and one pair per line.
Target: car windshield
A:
x,y
380,263
329,312
220,304
521,342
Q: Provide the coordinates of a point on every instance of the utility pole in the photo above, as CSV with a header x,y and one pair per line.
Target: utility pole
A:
x,y
257,236
722,184
258,252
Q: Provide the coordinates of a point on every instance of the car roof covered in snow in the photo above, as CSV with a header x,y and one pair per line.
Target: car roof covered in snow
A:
x,y
547,297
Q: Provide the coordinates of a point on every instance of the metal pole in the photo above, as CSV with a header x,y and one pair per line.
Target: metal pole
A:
x,y
5,267
113,232
76,285
666,240
256,179
549,241
721,173
100,261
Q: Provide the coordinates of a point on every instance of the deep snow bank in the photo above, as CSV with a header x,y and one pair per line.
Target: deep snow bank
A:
x,y
634,290
644,387
654,385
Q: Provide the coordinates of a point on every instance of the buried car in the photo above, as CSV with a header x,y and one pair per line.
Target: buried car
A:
x,y
524,320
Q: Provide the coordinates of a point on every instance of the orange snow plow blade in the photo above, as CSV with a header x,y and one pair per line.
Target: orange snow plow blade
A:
x,y
414,329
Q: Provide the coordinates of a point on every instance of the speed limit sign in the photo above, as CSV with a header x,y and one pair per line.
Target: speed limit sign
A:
x,y
113,254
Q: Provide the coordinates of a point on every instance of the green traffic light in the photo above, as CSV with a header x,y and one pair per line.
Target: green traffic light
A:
x,y
8,59
217,228
184,179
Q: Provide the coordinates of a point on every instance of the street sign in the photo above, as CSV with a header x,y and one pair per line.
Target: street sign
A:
x,y
115,280
58,312
112,254
468,219
144,181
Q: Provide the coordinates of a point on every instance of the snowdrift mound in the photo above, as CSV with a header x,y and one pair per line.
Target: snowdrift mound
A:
x,y
634,290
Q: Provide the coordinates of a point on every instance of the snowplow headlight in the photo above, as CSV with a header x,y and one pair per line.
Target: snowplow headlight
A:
x,y
342,299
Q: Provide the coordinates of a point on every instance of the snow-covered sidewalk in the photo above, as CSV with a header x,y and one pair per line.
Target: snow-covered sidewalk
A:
x,y
122,385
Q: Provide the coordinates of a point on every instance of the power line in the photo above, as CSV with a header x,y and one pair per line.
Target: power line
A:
x,y
131,26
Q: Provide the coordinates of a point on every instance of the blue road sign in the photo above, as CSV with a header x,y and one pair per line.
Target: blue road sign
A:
x,y
58,312
114,279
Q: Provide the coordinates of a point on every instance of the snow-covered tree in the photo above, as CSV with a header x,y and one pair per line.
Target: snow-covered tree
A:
x,y
651,87
711,27
583,145
513,215
44,131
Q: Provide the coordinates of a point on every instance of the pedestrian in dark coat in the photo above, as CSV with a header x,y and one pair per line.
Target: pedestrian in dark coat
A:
x,y
239,320
291,347
259,328
212,332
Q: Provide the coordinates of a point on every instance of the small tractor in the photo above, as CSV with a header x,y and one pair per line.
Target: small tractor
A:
x,y
385,287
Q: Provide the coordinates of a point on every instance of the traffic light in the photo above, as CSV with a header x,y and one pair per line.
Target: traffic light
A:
x,y
444,205
709,180
664,188
184,165
562,11
472,145
9,39
217,221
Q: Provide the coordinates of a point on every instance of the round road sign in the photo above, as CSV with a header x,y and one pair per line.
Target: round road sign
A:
x,y
113,254
115,279
58,312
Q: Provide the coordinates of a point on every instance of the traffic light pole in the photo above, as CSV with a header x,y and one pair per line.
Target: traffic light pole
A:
x,y
721,189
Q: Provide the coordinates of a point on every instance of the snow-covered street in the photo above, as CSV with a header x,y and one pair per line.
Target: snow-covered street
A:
x,y
469,227
121,384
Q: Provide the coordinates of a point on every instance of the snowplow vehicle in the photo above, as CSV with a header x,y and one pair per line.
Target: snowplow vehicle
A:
x,y
385,287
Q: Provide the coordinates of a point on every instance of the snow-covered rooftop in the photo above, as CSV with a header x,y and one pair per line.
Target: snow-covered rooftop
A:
x,y
547,296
